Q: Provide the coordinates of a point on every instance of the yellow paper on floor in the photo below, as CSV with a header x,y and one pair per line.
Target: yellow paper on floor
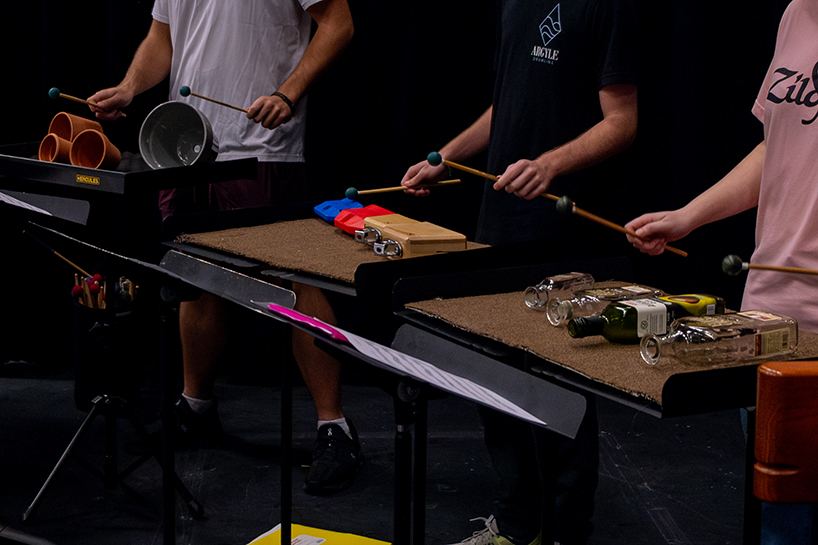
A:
x,y
304,535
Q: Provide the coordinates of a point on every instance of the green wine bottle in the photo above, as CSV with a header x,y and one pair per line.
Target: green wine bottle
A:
x,y
628,321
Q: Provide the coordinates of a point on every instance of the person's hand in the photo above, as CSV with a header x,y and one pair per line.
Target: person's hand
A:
x,y
526,179
269,111
109,102
656,229
422,174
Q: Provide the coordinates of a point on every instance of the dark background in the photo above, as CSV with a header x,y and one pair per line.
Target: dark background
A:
x,y
415,75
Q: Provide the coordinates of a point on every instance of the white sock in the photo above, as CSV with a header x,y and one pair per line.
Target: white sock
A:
x,y
338,421
199,406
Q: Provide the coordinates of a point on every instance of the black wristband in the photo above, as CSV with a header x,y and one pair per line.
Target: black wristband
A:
x,y
286,100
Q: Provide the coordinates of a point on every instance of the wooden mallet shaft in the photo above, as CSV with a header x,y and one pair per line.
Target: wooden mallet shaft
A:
x,y
402,188
564,204
732,265
185,91
797,270
470,170
220,103
435,159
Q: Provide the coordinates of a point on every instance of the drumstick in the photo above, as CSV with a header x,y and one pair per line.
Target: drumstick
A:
x,y
566,205
732,265
436,159
352,193
185,91
55,93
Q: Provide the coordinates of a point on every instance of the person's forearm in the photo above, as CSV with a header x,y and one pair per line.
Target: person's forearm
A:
x,y
613,134
333,34
736,192
152,61
470,142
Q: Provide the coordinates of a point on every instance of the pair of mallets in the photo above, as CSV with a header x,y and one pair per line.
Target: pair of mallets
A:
x,y
564,204
732,264
184,91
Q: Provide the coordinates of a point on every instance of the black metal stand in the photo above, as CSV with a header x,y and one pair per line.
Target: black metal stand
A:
x,y
409,523
180,278
752,505
110,408
286,439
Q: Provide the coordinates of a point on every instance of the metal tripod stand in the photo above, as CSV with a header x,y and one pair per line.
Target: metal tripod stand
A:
x,y
110,408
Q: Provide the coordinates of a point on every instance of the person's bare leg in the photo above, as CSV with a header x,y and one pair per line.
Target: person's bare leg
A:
x,y
321,372
203,332
336,456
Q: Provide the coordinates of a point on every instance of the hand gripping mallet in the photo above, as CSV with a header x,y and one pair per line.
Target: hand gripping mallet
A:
x,y
55,94
567,206
564,204
352,193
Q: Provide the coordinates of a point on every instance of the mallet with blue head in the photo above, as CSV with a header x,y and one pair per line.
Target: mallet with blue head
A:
x,y
55,94
185,91
352,193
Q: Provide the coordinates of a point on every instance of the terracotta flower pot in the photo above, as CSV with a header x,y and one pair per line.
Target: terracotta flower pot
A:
x,y
54,149
68,126
92,149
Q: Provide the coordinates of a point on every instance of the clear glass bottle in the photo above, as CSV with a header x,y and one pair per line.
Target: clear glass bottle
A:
x,y
629,321
728,338
593,301
561,285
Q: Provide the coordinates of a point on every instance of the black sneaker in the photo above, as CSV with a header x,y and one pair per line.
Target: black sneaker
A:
x,y
336,460
194,429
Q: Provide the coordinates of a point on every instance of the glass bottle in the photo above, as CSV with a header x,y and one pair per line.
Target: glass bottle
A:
x,y
560,285
629,321
593,301
729,338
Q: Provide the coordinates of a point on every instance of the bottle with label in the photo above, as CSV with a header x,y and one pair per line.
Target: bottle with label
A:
x,y
561,285
629,321
728,338
593,301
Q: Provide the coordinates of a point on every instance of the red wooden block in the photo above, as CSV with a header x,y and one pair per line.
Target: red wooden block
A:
x,y
786,439
353,219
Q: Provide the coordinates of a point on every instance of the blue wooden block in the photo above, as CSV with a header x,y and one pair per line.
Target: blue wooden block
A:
x,y
329,209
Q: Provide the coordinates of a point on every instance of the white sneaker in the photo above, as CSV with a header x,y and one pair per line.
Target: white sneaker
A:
x,y
489,535
482,537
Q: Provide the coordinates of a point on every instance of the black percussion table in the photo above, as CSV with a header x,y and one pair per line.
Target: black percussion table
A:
x,y
117,209
369,289
683,391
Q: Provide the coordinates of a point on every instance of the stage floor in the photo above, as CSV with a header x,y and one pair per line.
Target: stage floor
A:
x,y
661,481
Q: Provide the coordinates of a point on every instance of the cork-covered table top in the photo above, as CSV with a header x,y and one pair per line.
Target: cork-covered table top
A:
x,y
309,245
505,318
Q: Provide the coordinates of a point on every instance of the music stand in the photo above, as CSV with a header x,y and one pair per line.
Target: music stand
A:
x,y
171,288
483,381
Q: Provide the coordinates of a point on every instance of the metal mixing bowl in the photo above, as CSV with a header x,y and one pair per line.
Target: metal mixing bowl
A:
x,y
176,134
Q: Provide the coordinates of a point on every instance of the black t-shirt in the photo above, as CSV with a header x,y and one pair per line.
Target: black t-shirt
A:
x,y
552,59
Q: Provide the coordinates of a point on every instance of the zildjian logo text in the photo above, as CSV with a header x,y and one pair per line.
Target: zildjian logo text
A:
x,y
792,87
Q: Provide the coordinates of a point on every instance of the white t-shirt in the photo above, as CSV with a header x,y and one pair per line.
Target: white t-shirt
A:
x,y
235,51
787,225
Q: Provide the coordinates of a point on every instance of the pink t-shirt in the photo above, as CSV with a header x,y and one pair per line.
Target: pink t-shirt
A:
x,y
787,225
